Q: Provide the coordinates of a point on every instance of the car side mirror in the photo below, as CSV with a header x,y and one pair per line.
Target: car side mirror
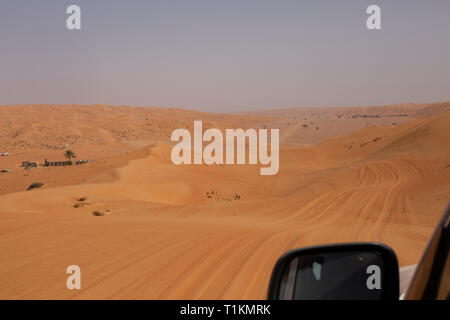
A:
x,y
353,271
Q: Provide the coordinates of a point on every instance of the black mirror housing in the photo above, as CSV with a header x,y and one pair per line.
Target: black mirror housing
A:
x,y
349,271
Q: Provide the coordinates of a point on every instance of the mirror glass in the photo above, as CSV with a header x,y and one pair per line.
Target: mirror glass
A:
x,y
332,275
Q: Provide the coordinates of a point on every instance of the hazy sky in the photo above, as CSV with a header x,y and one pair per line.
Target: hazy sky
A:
x,y
224,55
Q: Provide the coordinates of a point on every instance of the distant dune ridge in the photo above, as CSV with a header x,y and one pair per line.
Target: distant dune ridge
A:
x,y
141,227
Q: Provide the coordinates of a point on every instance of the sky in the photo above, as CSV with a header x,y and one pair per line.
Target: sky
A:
x,y
224,55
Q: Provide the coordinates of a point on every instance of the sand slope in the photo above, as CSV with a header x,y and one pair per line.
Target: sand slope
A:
x,y
167,236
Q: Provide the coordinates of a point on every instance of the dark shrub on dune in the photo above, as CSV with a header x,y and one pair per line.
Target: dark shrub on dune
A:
x,y
35,185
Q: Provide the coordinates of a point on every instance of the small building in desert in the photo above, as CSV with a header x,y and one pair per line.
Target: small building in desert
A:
x,y
30,165
79,162
57,163
64,163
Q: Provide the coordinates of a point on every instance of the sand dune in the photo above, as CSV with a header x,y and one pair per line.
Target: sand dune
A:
x,y
172,232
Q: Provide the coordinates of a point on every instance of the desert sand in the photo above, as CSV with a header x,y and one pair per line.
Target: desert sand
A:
x,y
208,232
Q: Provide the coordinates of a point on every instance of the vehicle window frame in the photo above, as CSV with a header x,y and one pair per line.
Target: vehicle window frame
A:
x,y
428,277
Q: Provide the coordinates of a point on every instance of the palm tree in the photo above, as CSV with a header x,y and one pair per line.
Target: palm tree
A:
x,y
69,154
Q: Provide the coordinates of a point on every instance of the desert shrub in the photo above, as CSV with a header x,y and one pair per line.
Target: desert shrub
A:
x,y
82,199
35,185
97,213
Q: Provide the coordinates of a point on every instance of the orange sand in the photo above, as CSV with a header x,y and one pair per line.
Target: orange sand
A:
x,y
163,238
